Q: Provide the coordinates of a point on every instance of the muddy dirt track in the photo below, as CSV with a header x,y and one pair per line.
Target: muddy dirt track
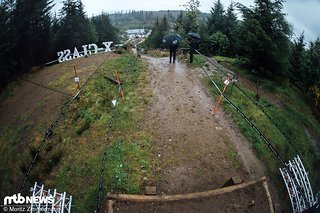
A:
x,y
192,149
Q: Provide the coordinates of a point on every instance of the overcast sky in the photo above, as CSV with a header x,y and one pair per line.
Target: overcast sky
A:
x,y
303,14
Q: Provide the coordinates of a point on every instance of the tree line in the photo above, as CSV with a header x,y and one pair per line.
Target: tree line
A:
x,y
31,34
261,41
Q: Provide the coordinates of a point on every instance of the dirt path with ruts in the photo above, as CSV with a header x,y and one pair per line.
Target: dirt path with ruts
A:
x,y
196,151
193,150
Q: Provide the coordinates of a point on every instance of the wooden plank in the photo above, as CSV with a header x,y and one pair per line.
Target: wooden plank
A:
x,y
177,197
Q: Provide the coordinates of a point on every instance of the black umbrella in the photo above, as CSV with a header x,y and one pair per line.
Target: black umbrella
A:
x,y
171,39
194,35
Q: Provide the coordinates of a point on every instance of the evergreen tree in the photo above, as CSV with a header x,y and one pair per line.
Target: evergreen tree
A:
x,y
313,55
32,25
298,62
231,18
164,24
55,26
8,59
159,30
231,25
75,28
25,38
203,32
106,31
305,69
179,24
219,43
191,21
221,26
263,37
312,73
216,21
205,46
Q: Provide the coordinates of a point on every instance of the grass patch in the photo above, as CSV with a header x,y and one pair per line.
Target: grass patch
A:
x,y
198,61
232,156
8,91
293,118
84,143
9,139
221,59
71,159
232,64
126,164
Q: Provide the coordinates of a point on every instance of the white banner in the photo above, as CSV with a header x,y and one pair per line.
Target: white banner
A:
x,y
88,49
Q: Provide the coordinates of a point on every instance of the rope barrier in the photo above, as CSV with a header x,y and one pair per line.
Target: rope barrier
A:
x,y
45,87
253,126
103,162
45,138
259,107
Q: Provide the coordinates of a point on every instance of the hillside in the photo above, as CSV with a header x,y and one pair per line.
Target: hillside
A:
x,y
145,19
163,135
236,130
71,158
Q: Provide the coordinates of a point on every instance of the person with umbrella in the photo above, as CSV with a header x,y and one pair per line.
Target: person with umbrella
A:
x,y
172,41
173,50
194,40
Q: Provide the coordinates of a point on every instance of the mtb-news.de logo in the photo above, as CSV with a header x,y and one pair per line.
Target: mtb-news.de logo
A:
x,y
18,199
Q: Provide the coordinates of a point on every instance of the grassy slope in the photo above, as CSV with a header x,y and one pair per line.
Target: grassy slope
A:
x,y
294,118
71,159
127,155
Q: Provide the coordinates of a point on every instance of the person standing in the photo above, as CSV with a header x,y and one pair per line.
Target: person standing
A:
x,y
193,46
173,50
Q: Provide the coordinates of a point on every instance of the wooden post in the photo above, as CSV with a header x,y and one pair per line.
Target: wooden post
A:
x,y
226,82
117,77
265,186
178,197
119,84
110,206
76,78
